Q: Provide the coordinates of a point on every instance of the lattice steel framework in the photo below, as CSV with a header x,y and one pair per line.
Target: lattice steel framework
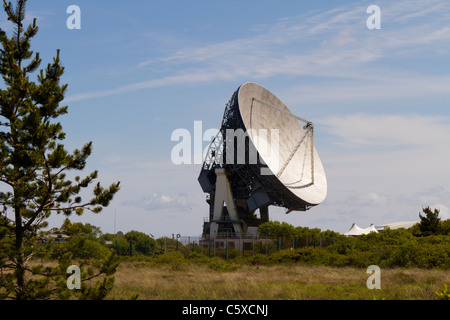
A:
x,y
245,178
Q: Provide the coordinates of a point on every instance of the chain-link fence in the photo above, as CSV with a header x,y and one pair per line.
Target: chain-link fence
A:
x,y
219,247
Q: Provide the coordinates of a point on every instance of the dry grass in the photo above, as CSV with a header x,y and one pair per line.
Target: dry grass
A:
x,y
198,282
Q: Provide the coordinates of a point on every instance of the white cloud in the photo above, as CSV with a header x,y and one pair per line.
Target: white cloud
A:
x,y
369,199
389,130
333,43
179,202
385,154
444,212
384,168
369,87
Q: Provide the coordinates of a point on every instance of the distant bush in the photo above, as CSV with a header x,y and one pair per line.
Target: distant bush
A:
x,y
307,255
174,260
444,227
86,249
220,265
285,231
258,259
388,249
198,258
393,248
142,242
79,247
121,246
406,248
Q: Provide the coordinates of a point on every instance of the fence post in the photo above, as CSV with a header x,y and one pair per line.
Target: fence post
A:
x,y
239,247
226,249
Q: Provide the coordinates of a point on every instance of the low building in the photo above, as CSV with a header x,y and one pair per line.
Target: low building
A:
x,y
356,231
396,225
55,235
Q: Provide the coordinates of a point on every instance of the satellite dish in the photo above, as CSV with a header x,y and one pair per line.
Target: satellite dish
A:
x,y
263,155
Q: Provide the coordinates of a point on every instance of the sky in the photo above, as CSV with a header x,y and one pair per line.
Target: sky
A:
x,y
137,71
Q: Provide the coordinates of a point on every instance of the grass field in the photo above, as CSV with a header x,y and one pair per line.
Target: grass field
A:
x,y
286,282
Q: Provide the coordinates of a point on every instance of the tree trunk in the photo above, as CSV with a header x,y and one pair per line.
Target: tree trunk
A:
x,y
20,261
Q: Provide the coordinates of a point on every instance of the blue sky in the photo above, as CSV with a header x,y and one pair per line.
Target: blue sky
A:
x,y
139,70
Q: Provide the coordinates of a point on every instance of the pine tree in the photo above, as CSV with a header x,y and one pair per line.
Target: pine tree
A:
x,y
429,224
33,161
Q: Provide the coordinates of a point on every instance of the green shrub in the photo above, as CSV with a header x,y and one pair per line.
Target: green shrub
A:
x,y
83,248
258,259
444,227
307,255
337,260
220,265
174,260
142,242
121,246
443,294
197,257
344,246
285,256
361,259
431,256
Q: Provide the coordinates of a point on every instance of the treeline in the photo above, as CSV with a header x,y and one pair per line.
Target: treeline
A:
x,y
424,245
386,249
390,248
86,241
276,229
430,224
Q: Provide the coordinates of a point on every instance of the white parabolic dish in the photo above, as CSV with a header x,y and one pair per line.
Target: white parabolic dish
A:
x,y
300,173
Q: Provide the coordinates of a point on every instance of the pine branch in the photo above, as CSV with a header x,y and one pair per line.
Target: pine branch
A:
x,y
11,183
